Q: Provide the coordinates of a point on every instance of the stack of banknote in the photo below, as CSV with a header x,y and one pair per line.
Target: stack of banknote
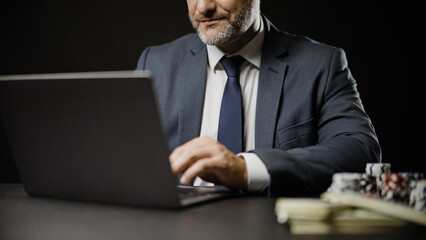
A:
x,y
318,216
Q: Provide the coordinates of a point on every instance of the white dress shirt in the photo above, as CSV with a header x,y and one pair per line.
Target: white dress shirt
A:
x,y
258,176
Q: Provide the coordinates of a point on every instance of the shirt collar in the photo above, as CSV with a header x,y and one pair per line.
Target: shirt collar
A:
x,y
252,51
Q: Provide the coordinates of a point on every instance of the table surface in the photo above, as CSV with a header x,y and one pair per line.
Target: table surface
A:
x,y
250,217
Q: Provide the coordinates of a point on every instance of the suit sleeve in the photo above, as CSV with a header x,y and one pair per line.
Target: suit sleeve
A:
x,y
142,59
346,140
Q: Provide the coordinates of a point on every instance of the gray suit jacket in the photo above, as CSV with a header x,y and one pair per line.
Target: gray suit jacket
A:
x,y
310,122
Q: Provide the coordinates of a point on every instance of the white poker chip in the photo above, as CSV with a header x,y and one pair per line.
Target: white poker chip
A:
x,y
418,196
376,169
343,182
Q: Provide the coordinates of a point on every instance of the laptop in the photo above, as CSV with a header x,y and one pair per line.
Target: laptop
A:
x,y
93,136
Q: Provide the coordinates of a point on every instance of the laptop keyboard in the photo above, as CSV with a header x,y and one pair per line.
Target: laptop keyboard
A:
x,y
186,192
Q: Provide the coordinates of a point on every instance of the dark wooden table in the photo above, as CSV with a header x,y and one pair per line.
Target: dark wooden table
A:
x,y
245,218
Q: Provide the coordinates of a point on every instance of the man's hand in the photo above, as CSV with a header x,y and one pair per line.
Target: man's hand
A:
x,y
209,160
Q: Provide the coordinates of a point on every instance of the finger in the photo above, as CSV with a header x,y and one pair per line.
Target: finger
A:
x,y
182,162
189,153
192,143
203,166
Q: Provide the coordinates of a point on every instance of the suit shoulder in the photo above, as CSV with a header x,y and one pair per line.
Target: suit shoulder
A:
x,y
307,46
304,50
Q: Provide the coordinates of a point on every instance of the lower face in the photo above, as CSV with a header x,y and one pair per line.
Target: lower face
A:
x,y
221,27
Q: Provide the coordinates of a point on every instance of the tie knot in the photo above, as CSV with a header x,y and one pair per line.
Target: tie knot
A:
x,y
231,65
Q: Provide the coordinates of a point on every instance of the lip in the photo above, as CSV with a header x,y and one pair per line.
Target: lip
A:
x,y
209,22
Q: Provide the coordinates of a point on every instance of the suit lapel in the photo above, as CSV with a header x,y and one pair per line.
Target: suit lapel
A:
x,y
271,80
193,84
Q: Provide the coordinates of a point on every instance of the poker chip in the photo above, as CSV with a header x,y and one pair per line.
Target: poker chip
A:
x,y
396,187
377,169
368,184
343,182
412,175
408,188
418,195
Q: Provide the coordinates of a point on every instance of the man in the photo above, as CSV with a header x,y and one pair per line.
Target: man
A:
x,y
302,117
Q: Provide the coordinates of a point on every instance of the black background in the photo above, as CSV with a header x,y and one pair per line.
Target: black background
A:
x,y
383,42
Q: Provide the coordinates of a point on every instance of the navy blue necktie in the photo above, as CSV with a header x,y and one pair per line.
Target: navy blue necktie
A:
x,y
230,131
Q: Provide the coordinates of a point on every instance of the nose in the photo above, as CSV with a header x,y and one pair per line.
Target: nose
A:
x,y
206,6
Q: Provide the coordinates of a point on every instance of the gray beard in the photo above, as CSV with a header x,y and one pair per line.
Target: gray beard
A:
x,y
231,32
224,37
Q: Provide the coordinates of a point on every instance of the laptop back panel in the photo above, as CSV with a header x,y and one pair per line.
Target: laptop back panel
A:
x,y
96,138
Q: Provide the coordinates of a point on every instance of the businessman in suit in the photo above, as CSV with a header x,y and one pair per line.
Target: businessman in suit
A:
x,y
291,119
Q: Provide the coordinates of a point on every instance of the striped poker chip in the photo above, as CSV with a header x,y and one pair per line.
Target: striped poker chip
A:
x,y
412,175
343,182
377,169
418,195
368,184
396,187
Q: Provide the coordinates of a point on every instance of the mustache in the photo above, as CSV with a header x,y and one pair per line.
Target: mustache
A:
x,y
214,15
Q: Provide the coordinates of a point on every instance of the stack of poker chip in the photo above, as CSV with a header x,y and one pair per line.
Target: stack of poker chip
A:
x,y
375,170
396,187
343,182
368,184
379,182
414,178
418,195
